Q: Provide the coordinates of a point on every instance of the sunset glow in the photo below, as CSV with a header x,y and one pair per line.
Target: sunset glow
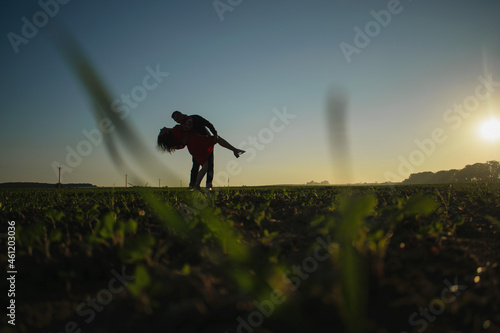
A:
x,y
490,129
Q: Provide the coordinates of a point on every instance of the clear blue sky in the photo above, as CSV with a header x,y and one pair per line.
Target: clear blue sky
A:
x,y
239,66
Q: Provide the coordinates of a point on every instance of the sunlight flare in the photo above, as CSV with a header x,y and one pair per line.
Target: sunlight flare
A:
x,y
490,129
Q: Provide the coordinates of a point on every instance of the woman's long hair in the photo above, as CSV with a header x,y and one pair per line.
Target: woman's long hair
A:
x,y
166,141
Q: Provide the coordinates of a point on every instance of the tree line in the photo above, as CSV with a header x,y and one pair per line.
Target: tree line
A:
x,y
479,172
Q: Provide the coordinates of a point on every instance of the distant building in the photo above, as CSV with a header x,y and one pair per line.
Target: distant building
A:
x,y
312,182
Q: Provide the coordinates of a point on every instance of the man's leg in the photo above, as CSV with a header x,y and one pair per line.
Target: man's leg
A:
x,y
194,173
210,171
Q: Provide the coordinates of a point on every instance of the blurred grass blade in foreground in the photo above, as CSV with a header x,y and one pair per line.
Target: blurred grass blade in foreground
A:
x,y
337,127
354,278
121,131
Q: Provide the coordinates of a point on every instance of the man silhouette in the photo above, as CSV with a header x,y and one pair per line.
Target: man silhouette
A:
x,y
200,125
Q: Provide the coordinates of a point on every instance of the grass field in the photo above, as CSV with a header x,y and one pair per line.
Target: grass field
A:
x,y
254,259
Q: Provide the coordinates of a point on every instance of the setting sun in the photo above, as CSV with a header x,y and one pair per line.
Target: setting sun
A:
x,y
490,129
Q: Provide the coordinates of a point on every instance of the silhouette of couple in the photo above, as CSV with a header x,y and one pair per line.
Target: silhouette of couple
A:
x,y
193,132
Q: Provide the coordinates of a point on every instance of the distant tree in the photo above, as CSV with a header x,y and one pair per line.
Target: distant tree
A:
x,y
420,178
494,170
478,172
444,177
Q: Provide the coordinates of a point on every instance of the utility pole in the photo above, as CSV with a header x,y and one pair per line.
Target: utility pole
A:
x,y
59,184
159,180
126,180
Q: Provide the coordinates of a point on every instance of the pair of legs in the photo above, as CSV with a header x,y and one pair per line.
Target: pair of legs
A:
x,y
237,152
196,168
201,174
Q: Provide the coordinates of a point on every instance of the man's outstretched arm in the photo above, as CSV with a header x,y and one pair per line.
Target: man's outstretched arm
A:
x,y
208,125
